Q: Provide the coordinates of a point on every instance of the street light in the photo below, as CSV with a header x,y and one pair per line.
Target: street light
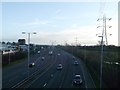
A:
x,y
109,19
104,26
28,47
101,57
9,56
110,26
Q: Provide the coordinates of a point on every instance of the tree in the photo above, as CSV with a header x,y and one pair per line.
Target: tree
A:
x,y
8,43
13,43
3,42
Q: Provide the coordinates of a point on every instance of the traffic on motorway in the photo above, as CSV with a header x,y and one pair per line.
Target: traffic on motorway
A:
x,y
50,67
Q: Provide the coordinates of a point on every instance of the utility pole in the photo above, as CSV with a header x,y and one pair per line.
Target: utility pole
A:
x,y
85,54
28,48
76,40
104,27
9,57
104,34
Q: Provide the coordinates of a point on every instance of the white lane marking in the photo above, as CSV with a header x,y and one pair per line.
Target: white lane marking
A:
x,y
44,84
10,80
83,74
51,75
37,59
13,78
24,73
59,86
42,73
92,79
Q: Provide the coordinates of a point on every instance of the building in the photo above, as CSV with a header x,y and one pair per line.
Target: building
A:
x,y
6,49
24,48
21,41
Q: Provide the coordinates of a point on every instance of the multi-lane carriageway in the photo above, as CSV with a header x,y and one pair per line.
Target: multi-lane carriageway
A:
x,y
45,73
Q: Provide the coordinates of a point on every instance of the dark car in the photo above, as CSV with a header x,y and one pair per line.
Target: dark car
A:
x,y
59,67
73,57
77,80
75,62
43,58
31,64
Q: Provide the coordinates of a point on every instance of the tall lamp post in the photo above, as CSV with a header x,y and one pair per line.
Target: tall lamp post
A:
x,y
101,61
28,47
9,56
101,58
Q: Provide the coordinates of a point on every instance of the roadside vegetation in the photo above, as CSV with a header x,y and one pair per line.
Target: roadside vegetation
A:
x,y
13,58
91,57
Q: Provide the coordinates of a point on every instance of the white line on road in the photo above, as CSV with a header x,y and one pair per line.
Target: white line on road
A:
x,y
83,75
60,86
41,74
13,78
92,79
44,84
24,73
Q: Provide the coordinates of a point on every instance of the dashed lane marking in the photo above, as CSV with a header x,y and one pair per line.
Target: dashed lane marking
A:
x,y
44,84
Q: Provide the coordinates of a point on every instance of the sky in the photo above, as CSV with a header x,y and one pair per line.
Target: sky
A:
x,y
59,22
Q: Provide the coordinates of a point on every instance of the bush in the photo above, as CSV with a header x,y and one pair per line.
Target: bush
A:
x,y
13,57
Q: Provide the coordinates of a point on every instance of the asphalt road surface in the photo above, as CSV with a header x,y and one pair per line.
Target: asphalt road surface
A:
x,y
45,74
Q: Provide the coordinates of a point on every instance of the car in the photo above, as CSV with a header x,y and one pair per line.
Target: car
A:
x,y
77,80
42,47
31,64
38,52
59,67
43,58
58,54
75,63
50,52
73,57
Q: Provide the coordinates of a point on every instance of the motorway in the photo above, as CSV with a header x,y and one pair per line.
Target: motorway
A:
x,y
45,73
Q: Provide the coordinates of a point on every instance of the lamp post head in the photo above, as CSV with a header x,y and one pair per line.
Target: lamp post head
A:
x,y
110,26
110,18
100,36
23,32
34,33
97,19
98,26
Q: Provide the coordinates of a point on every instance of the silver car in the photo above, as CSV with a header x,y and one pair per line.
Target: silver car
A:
x,y
77,80
50,52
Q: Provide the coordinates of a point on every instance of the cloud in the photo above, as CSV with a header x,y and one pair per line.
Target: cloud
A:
x,y
84,34
74,26
37,22
59,17
58,11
